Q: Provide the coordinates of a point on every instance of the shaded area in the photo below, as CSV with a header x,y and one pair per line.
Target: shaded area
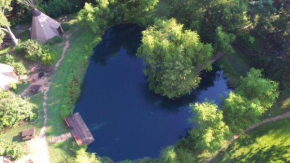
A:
x,y
127,120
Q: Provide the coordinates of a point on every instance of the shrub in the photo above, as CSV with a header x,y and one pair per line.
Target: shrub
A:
x,y
65,26
13,86
19,67
10,149
14,109
35,51
54,40
55,8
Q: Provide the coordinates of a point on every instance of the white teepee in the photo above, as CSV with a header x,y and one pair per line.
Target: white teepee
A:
x,y
43,27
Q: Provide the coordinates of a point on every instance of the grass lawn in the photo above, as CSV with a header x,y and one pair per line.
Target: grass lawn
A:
x,y
269,143
75,62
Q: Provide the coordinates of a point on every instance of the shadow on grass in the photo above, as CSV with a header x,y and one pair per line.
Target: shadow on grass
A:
x,y
269,143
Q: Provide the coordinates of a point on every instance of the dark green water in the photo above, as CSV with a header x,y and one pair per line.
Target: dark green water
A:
x,y
128,120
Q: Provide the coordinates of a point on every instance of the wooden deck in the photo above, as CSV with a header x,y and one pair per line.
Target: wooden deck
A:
x,y
79,129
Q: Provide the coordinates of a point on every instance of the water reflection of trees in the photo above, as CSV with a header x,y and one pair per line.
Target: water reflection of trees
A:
x,y
117,37
207,81
129,38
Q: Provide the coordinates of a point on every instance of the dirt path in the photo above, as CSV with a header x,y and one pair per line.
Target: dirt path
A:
x,y
38,147
266,121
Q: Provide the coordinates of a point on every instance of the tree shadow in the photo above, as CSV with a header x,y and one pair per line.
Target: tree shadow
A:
x,y
127,36
174,105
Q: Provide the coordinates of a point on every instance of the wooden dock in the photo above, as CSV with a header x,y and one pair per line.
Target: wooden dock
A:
x,y
79,129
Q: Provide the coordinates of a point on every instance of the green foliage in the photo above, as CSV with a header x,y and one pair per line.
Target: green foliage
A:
x,y
54,40
55,8
98,18
109,12
168,155
185,155
35,51
249,101
14,109
223,41
65,26
4,5
75,75
10,149
19,66
83,156
13,86
212,131
171,56
206,15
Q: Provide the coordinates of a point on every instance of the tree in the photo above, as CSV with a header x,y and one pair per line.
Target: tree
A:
x,y
168,155
4,23
107,13
83,156
14,109
206,15
223,41
249,101
98,18
211,131
171,55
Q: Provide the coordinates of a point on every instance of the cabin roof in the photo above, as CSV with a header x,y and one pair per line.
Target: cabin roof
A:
x,y
79,129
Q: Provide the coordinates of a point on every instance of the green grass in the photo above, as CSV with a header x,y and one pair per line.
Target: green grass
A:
x,y
269,143
61,152
74,64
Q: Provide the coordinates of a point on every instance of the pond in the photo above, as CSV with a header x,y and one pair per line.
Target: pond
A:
x,y
127,120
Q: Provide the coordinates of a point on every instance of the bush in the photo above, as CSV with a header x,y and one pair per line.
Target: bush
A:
x,y
65,26
13,86
10,149
35,51
14,109
54,40
19,66
55,8
248,41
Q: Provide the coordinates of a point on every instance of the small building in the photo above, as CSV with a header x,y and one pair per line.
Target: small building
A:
x,y
28,134
79,129
7,76
4,159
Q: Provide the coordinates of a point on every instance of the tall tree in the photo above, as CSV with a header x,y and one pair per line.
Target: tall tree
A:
x,y
211,131
249,101
171,55
4,23
109,12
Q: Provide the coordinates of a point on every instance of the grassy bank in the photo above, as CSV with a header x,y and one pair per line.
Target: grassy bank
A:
x,y
269,143
65,88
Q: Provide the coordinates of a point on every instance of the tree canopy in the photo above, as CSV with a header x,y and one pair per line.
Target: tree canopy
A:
x,y
211,131
250,100
14,109
109,12
171,55
4,23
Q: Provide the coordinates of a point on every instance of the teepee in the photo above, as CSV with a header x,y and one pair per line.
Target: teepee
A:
x,y
43,27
